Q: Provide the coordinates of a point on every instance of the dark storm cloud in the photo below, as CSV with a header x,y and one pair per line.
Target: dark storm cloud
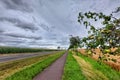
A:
x,y
20,24
23,36
17,5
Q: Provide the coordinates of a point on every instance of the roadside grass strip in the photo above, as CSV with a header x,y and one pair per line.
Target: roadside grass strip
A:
x,y
98,68
9,68
30,72
72,71
88,71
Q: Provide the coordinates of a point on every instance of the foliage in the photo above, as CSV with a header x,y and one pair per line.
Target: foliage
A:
x,y
58,47
74,42
103,38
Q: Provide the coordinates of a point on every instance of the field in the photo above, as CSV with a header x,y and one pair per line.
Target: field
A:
x,y
6,50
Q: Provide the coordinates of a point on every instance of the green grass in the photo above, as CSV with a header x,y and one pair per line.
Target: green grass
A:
x,y
72,71
6,50
30,72
105,69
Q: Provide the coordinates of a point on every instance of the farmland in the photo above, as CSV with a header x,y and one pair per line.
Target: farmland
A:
x,y
9,50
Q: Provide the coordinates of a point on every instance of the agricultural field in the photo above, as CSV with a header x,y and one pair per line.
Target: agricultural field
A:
x,y
8,50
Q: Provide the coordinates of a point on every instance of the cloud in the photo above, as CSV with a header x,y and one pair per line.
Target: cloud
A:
x,y
46,23
27,26
12,20
20,5
5,40
1,31
63,41
22,36
45,27
42,44
21,24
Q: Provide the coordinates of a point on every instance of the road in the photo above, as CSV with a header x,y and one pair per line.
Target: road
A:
x,y
11,57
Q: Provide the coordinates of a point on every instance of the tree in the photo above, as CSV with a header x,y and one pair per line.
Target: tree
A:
x,y
109,35
58,47
74,42
103,38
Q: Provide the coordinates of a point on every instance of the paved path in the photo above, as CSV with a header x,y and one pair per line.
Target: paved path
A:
x,y
54,71
11,57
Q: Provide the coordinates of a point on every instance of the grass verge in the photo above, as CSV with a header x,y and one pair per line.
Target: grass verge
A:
x,y
11,67
105,69
29,72
72,71
89,72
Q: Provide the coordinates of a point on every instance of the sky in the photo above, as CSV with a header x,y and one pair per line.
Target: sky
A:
x,y
46,23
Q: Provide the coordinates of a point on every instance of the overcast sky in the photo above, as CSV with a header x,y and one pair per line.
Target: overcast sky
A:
x,y
46,23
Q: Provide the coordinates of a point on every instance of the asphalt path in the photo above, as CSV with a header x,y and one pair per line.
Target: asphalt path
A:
x,y
11,57
54,71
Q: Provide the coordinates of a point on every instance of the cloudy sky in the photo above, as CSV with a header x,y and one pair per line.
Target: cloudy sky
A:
x,y
46,23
